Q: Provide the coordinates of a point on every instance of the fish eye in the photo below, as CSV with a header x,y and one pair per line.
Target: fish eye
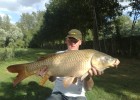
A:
x,y
107,58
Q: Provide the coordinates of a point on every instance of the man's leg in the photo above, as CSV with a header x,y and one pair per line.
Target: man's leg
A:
x,y
77,98
57,96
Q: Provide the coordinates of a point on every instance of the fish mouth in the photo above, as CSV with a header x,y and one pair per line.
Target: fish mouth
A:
x,y
116,63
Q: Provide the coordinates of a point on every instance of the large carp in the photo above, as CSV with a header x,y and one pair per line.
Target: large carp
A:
x,y
71,64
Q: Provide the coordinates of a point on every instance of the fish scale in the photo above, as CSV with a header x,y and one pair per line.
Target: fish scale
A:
x,y
72,62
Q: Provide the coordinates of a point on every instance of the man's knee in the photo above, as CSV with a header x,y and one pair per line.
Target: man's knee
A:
x,y
55,97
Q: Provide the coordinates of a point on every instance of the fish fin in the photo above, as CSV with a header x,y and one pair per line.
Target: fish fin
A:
x,y
52,78
45,57
41,58
84,76
68,81
44,79
88,83
75,80
21,70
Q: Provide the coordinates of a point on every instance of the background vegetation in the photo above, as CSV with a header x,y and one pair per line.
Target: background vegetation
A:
x,y
98,21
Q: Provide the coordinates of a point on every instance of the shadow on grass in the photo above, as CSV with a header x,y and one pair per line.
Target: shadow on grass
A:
x,y
32,91
123,81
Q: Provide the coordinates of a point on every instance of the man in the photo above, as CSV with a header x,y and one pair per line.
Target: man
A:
x,y
75,91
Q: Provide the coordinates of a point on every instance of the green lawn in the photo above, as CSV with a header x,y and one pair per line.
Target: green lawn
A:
x,y
122,83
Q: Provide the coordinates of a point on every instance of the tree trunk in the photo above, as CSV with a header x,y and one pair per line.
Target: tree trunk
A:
x,y
95,28
132,30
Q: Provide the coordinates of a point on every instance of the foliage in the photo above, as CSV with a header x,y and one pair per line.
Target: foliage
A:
x,y
7,53
89,36
30,24
137,28
49,28
135,5
9,33
5,22
124,23
3,36
61,16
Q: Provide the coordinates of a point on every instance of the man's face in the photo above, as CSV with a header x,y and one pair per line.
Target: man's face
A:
x,y
72,43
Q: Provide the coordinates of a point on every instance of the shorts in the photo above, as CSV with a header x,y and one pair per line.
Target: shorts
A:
x,y
61,96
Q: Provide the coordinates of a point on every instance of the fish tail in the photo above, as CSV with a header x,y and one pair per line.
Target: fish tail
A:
x,y
21,70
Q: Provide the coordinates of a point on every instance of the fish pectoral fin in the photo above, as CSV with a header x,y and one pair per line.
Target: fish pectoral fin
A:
x,y
52,78
44,79
68,81
75,80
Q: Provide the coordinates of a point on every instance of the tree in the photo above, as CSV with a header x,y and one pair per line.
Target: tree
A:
x,y
3,36
6,22
61,16
30,24
0,21
137,28
9,33
14,35
135,5
124,24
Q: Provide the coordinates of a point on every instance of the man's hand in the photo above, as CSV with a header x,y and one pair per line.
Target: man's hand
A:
x,y
94,71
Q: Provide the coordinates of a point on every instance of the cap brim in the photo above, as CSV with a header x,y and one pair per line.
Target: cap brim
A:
x,y
73,37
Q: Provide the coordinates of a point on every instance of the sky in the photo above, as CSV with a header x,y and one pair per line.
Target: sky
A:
x,y
126,4
15,8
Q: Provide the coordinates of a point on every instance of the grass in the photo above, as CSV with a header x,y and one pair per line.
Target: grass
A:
x,y
29,88
122,83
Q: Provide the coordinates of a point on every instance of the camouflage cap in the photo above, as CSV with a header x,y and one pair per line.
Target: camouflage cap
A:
x,y
75,34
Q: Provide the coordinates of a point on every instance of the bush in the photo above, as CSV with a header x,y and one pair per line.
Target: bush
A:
x,y
7,53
